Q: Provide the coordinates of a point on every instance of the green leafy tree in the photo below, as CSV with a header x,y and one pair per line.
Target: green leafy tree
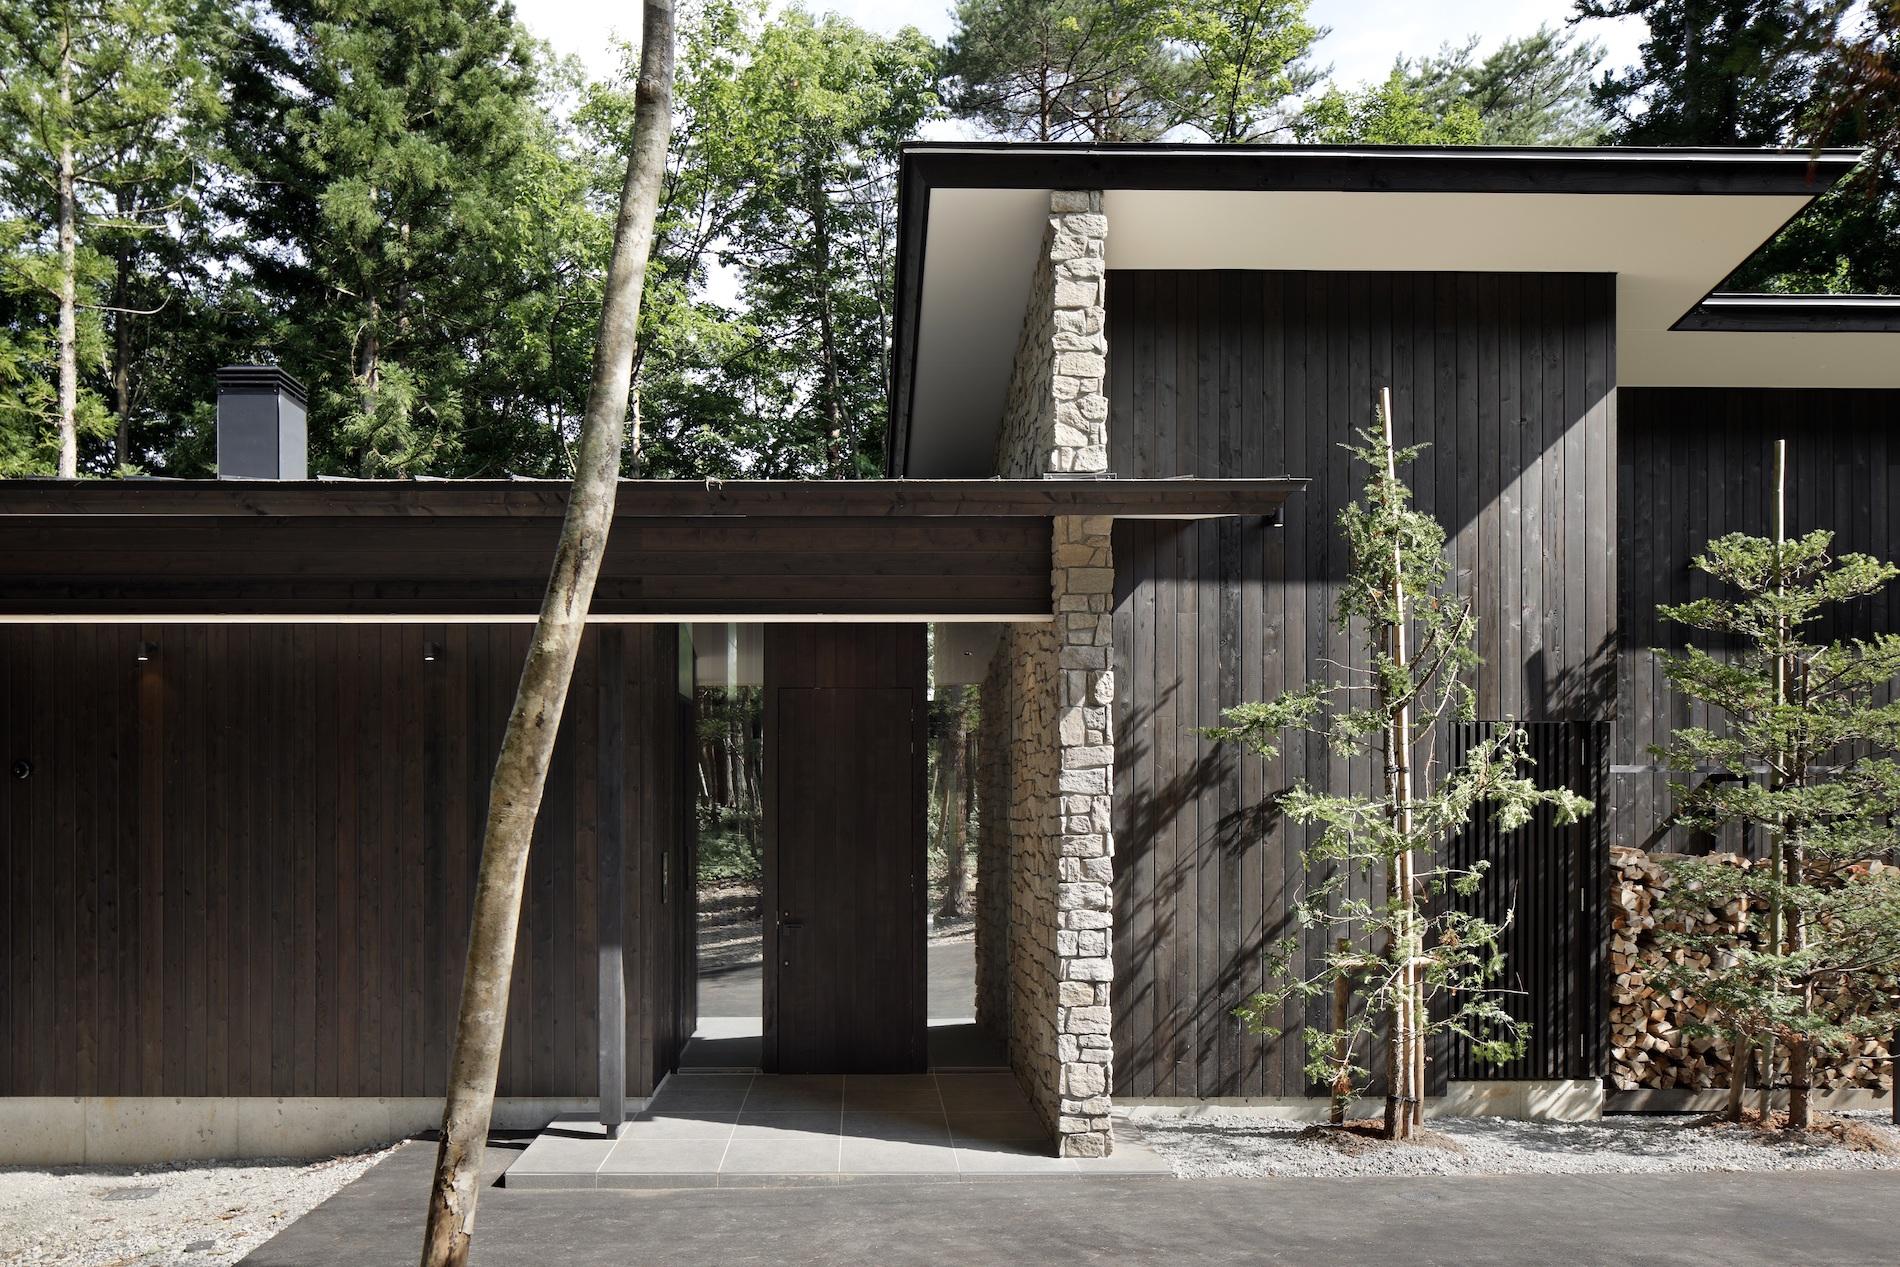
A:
x,y
1063,70
402,191
1389,113
781,189
1850,240
1762,73
1130,70
1419,965
1860,81
1534,90
1244,62
1714,72
1809,748
103,111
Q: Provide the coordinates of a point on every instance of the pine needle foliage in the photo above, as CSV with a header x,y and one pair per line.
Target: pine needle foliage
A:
x,y
1419,967
1806,754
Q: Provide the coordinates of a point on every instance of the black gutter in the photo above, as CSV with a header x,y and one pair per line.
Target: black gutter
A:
x,y
928,165
1795,314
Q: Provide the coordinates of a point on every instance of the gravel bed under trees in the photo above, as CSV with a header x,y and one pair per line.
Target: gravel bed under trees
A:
x,y
1215,1142
191,1214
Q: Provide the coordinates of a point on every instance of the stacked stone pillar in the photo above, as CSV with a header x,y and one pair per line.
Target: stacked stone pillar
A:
x,y
1084,588
1060,690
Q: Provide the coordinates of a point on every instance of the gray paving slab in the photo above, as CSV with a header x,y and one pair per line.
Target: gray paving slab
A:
x,y
804,1126
788,1155
1683,1220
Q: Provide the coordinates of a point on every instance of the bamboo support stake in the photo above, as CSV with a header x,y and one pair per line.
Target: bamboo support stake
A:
x,y
1406,1063
1342,1078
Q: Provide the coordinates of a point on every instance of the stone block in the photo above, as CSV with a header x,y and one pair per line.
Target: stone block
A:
x,y
1084,292
1087,580
1084,1080
1081,364
1082,895
1084,781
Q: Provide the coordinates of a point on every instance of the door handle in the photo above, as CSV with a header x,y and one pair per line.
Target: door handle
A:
x,y
789,920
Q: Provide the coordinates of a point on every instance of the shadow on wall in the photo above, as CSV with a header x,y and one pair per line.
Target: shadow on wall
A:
x,y
1200,893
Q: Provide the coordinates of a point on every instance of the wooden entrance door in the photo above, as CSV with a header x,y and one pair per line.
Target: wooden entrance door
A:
x,y
845,869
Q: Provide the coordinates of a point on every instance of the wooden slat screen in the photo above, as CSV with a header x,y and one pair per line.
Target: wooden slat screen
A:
x,y
1550,886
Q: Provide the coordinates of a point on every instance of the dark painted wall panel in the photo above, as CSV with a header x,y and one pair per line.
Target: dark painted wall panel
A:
x,y
1509,378
1696,463
244,866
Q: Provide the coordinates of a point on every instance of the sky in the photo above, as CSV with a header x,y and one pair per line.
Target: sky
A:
x,y
1366,35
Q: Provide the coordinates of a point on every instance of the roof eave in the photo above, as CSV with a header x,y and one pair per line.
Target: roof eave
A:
x,y
1794,314
928,165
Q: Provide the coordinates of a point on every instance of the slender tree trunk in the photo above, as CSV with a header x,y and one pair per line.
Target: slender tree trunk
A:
x,y
68,275
956,888
827,336
528,743
1403,1101
1740,1048
122,357
1800,1051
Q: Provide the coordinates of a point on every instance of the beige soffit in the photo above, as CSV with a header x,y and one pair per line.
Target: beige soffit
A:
x,y
1667,250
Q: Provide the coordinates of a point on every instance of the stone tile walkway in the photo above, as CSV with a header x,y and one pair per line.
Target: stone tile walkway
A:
x,y
744,1130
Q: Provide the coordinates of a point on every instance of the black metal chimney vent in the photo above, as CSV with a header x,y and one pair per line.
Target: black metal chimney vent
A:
x,y
261,425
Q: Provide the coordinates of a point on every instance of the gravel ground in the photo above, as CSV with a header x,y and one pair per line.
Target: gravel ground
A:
x,y
188,1214
1214,1142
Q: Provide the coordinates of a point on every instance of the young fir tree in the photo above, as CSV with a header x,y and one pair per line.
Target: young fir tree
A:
x,y
1417,965
1811,957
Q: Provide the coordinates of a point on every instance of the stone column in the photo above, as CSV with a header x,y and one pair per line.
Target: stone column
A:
x,y
1084,588
1060,687
1078,239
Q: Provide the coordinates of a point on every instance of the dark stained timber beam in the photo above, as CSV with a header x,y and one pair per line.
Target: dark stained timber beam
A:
x,y
410,551
652,499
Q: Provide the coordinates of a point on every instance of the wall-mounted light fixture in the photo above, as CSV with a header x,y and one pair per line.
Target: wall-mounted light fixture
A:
x,y
148,651
431,652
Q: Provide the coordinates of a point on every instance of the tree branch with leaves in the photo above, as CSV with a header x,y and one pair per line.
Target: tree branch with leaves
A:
x,y
1418,966
1808,733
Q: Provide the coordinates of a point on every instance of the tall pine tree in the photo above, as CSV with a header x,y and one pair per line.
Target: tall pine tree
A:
x,y
104,107
391,150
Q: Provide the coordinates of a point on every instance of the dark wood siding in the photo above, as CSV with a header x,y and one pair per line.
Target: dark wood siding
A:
x,y
1509,378
244,866
1697,463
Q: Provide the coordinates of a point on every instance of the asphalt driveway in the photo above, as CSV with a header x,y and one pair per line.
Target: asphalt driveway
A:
x,y
1717,1220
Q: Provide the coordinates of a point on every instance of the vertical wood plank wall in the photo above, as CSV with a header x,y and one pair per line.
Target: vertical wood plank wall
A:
x,y
1510,378
1697,463
244,866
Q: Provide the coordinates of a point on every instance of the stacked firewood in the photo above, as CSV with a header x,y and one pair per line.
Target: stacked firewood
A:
x,y
1649,1043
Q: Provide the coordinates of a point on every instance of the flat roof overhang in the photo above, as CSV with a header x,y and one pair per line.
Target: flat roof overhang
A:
x,y
384,551
1670,224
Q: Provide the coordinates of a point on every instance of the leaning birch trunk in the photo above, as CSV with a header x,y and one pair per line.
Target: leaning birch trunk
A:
x,y
1405,1062
521,769
68,337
